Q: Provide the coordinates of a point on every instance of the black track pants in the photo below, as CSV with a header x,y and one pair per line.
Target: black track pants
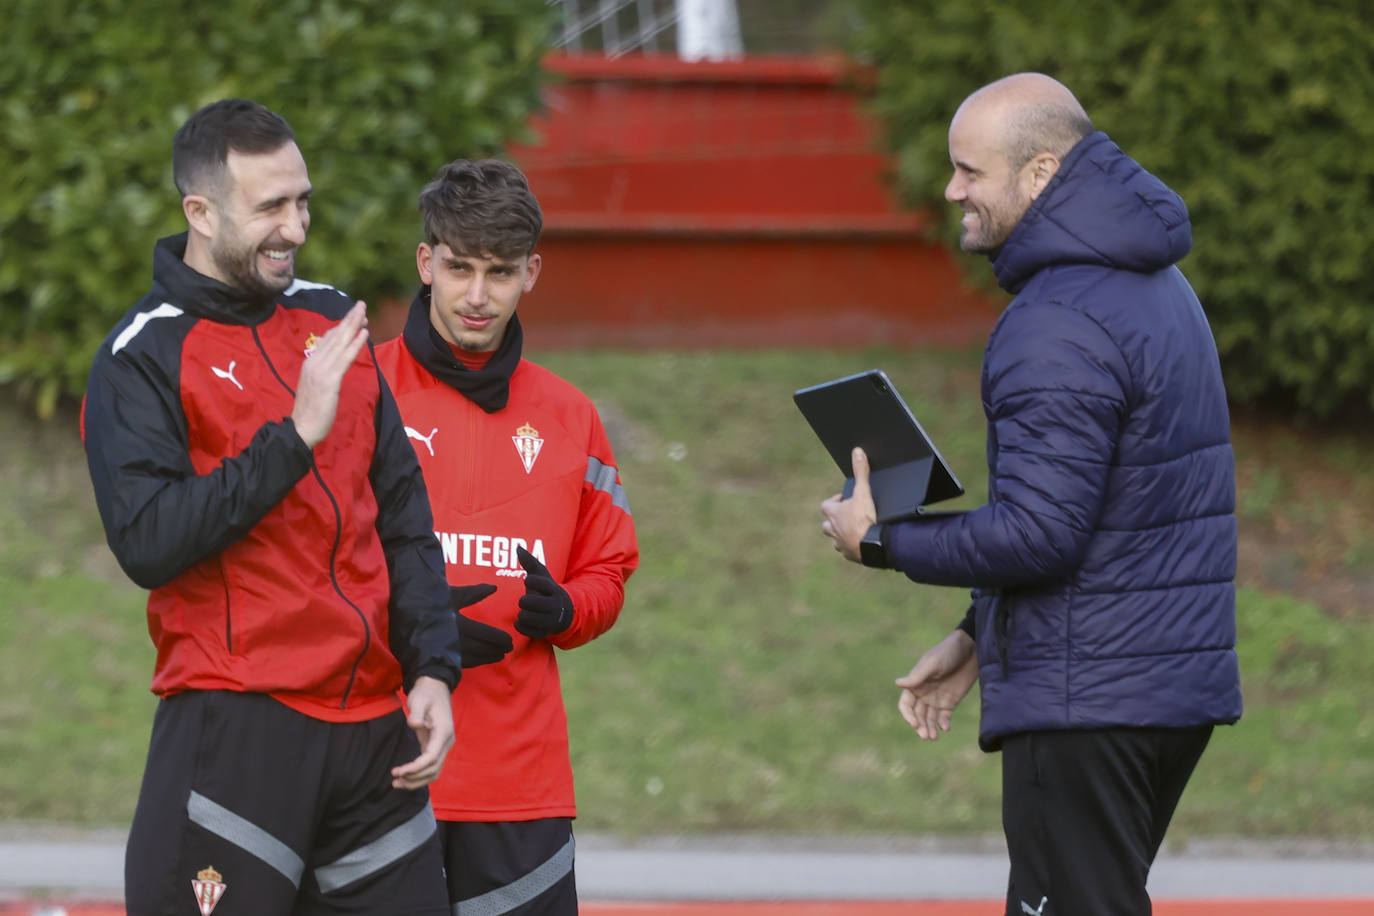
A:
x,y
1085,812
249,808
512,868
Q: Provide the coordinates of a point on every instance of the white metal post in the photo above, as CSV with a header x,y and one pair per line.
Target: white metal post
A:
x,y
708,30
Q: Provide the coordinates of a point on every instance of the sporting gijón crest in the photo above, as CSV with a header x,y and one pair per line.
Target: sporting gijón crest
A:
x,y
209,887
527,444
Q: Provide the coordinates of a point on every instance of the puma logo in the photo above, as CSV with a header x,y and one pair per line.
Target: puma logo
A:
x,y
227,373
1025,907
414,434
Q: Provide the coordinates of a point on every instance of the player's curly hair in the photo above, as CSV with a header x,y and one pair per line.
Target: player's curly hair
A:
x,y
482,209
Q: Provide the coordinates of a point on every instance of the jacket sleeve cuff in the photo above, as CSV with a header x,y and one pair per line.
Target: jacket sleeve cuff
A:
x,y
439,672
968,622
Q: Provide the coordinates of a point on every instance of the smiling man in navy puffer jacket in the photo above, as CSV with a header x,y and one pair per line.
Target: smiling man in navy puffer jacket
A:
x,y
1102,631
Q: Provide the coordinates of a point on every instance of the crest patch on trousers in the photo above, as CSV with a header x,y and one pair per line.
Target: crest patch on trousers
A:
x,y
527,445
209,887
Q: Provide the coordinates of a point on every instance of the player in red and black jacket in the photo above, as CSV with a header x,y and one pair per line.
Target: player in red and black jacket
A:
x,y
527,502
252,472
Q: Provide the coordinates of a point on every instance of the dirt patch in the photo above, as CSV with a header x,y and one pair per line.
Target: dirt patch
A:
x,y
1272,562
1305,504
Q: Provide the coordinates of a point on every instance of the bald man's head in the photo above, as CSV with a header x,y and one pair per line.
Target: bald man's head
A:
x,y
1031,113
1006,142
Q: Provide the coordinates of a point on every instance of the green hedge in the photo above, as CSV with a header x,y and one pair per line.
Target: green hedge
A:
x,y
1261,115
380,95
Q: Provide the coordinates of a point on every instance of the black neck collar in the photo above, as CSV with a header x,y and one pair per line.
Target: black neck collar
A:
x,y
488,387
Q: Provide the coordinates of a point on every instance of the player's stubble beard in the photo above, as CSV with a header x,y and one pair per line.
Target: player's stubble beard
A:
x,y
236,260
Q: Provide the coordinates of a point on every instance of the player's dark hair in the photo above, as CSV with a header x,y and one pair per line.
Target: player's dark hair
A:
x,y
481,209
200,149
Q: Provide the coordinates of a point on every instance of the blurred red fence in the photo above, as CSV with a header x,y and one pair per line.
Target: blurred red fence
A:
x,y
741,203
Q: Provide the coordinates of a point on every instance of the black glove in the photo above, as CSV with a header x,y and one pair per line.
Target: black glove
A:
x,y
545,608
480,643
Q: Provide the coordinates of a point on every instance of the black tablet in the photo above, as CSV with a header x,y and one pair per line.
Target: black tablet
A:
x,y
906,470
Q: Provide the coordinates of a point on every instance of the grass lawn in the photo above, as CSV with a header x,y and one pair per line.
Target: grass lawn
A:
x,y
748,685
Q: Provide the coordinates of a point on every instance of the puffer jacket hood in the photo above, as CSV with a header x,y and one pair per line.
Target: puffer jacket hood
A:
x,y
1100,208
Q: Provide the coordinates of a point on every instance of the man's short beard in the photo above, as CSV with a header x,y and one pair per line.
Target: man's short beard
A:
x,y
243,276
982,245
992,237
979,247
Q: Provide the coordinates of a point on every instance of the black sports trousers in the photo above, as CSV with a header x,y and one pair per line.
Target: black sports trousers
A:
x,y
520,868
249,807
1085,812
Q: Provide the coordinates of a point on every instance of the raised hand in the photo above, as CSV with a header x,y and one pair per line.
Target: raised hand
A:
x,y
545,608
317,389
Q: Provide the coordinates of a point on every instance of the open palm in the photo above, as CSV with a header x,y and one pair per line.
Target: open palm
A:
x,y
934,687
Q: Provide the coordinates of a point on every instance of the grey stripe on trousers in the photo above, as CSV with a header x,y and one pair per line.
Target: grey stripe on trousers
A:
x,y
523,889
377,855
246,835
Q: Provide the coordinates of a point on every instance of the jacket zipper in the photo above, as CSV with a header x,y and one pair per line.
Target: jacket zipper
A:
x,y
228,608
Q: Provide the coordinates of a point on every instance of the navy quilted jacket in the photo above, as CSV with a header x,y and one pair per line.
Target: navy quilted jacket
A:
x,y
1106,553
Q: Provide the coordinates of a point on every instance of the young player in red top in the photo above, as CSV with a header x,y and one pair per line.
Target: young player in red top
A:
x,y
527,503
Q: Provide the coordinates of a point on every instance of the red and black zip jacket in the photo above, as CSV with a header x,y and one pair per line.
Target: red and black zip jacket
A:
x,y
310,576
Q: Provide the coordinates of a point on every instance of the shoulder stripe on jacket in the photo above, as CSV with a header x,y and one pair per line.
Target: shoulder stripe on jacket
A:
x,y
602,477
298,285
165,310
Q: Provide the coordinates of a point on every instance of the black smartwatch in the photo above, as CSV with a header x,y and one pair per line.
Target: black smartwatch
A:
x,y
872,550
